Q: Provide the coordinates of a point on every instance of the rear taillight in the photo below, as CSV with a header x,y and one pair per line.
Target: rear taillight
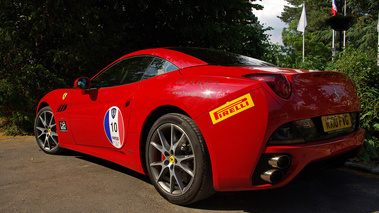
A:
x,y
277,82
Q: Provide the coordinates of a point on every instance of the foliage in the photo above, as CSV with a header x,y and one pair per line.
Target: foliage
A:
x,y
363,32
46,44
317,13
313,48
279,55
290,55
370,149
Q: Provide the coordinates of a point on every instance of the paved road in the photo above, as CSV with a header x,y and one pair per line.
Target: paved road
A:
x,y
31,181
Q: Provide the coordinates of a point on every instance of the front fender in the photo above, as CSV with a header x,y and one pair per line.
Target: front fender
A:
x,y
59,101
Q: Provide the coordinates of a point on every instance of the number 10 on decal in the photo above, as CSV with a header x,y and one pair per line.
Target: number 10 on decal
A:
x,y
114,126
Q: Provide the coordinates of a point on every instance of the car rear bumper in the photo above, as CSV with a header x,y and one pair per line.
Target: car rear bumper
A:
x,y
322,153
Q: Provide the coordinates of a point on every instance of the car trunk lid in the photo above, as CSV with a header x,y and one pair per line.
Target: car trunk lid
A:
x,y
323,93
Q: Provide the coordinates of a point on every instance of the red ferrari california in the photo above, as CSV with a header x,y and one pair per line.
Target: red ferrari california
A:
x,y
198,121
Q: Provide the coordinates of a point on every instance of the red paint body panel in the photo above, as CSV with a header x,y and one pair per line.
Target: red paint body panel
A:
x,y
235,144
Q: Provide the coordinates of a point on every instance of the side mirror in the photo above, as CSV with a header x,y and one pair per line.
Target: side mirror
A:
x,y
82,83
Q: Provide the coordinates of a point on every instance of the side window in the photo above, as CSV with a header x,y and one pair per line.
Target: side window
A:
x,y
158,67
126,71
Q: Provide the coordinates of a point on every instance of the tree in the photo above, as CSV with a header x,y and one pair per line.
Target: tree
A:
x,y
46,44
361,34
313,48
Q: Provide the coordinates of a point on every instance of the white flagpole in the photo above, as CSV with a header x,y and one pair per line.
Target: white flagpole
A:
x,y
304,23
301,27
334,12
333,41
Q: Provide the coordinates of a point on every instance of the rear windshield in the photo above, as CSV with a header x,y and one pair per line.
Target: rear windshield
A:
x,y
217,57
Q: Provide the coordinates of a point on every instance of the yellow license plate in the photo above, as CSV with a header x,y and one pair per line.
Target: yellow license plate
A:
x,y
335,122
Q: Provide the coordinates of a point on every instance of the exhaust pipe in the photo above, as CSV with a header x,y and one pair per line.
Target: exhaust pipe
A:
x,y
272,175
280,162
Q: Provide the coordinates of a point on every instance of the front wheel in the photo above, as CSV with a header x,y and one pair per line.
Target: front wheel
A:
x,y
177,160
45,131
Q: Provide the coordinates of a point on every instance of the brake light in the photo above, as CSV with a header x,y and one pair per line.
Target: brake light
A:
x,y
279,83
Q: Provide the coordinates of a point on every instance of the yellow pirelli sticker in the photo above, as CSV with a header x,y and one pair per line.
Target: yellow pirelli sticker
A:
x,y
231,108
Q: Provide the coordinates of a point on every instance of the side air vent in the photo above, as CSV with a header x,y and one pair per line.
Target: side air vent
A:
x,y
62,108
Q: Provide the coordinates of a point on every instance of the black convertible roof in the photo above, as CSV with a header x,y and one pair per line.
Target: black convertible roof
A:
x,y
221,58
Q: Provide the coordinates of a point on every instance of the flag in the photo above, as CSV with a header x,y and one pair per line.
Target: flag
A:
x,y
303,21
334,8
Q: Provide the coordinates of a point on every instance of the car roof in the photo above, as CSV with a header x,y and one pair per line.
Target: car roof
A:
x,y
184,57
181,60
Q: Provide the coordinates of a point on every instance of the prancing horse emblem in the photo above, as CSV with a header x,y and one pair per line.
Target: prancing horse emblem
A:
x,y
336,93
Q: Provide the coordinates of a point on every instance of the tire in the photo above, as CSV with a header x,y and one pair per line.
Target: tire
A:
x,y
45,131
177,160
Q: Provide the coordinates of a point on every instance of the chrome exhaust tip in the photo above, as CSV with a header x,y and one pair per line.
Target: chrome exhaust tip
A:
x,y
272,175
280,162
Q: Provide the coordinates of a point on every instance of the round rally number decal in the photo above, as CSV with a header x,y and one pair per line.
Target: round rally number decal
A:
x,y
114,126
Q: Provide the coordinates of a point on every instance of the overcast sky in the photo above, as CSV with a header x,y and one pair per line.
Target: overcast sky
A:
x,y
268,17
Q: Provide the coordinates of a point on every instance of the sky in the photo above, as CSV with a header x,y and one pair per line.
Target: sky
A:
x,y
268,17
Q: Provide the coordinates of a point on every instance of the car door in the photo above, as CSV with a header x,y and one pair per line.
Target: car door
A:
x,y
99,116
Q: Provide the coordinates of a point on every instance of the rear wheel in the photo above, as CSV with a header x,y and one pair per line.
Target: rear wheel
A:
x,y
45,131
177,160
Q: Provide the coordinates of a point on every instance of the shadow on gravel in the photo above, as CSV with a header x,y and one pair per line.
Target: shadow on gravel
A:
x,y
336,190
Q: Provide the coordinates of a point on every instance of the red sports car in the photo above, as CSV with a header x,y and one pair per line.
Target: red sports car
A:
x,y
199,121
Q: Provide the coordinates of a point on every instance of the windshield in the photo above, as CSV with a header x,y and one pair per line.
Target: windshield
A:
x,y
221,58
